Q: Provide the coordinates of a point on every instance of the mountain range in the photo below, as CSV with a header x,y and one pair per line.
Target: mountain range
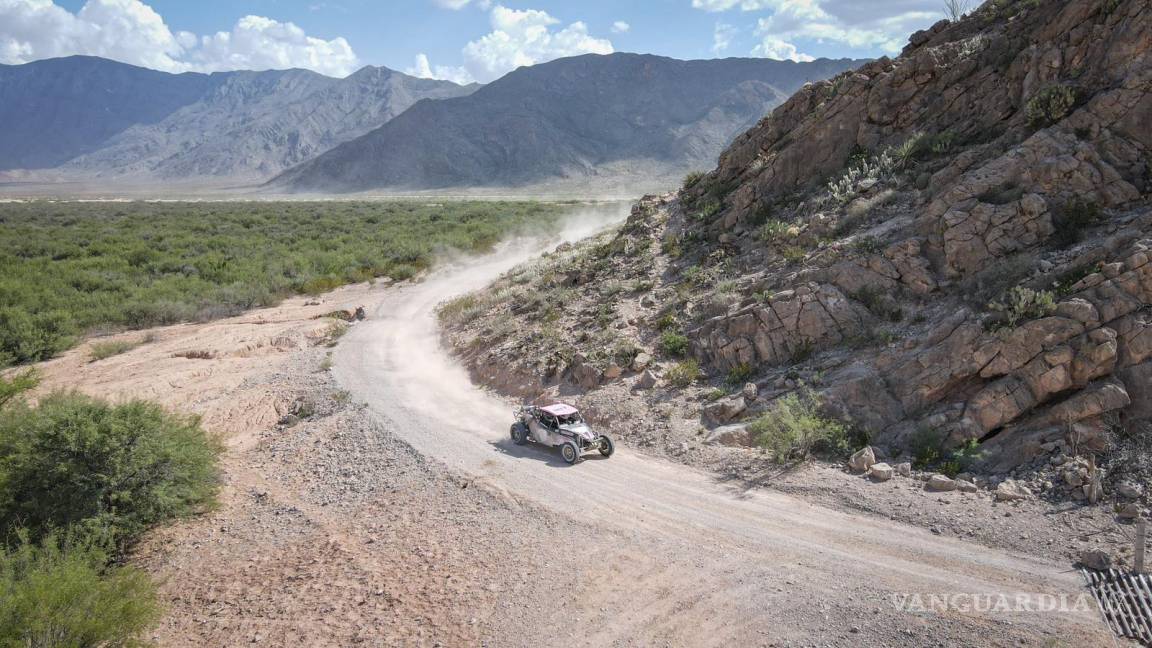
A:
x,y
585,116
101,117
590,117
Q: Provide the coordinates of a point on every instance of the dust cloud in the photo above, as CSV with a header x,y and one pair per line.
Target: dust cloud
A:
x,y
401,341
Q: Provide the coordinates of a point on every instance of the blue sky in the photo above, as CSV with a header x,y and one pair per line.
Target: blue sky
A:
x,y
462,40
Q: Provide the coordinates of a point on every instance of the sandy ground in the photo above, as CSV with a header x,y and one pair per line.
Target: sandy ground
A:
x,y
396,512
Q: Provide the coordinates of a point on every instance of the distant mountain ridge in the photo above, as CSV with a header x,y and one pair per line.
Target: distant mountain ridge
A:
x,y
107,118
569,118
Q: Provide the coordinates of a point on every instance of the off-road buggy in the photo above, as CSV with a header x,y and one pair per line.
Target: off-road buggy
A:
x,y
559,425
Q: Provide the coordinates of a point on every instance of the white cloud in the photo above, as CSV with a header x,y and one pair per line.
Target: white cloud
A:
x,y
518,38
722,36
621,27
781,50
423,68
873,27
132,32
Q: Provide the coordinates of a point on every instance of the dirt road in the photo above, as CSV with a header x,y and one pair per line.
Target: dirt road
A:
x,y
675,557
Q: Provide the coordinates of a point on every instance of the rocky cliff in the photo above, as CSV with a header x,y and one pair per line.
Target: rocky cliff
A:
x,y
950,248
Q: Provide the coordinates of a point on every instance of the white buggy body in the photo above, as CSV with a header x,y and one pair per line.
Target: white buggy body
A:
x,y
560,426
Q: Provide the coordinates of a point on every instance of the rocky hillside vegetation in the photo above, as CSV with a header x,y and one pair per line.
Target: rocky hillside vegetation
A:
x,y
946,254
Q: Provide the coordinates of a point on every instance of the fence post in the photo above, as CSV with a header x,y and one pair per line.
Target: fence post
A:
x,y
1138,556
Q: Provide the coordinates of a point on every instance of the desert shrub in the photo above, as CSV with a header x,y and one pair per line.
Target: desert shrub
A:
x,y
1023,303
674,344
926,446
878,168
73,268
666,321
104,350
16,384
962,459
879,303
714,395
794,254
60,594
73,461
794,427
707,208
803,351
868,245
32,337
460,310
1050,105
739,374
920,147
1063,283
624,352
683,374
773,231
692,179
1071,221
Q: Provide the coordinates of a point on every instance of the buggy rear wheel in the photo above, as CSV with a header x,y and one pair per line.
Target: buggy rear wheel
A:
x,y
519,434
606,446
569,452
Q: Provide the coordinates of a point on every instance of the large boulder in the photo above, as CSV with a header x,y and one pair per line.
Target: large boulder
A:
x,y
862,460
586,376
645,381
736,436
940,483
725,409
881,472
1011,490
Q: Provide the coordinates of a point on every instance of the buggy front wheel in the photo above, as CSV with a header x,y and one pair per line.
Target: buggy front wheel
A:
x,y
519,434
569,452
606,446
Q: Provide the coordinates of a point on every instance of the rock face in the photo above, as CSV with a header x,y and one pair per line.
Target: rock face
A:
x,y
570,117
1023,117
792,323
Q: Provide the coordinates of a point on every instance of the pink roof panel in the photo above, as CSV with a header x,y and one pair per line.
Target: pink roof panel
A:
x,y
560,409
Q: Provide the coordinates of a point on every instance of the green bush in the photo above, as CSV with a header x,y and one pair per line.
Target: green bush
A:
x,y
692,179
71,268
55,594
794,428
32,337
773,231
17,384
1022,304
75,462
926,446
674,344
104,350
1050,105
740,374
1071,221
460,310
684,374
